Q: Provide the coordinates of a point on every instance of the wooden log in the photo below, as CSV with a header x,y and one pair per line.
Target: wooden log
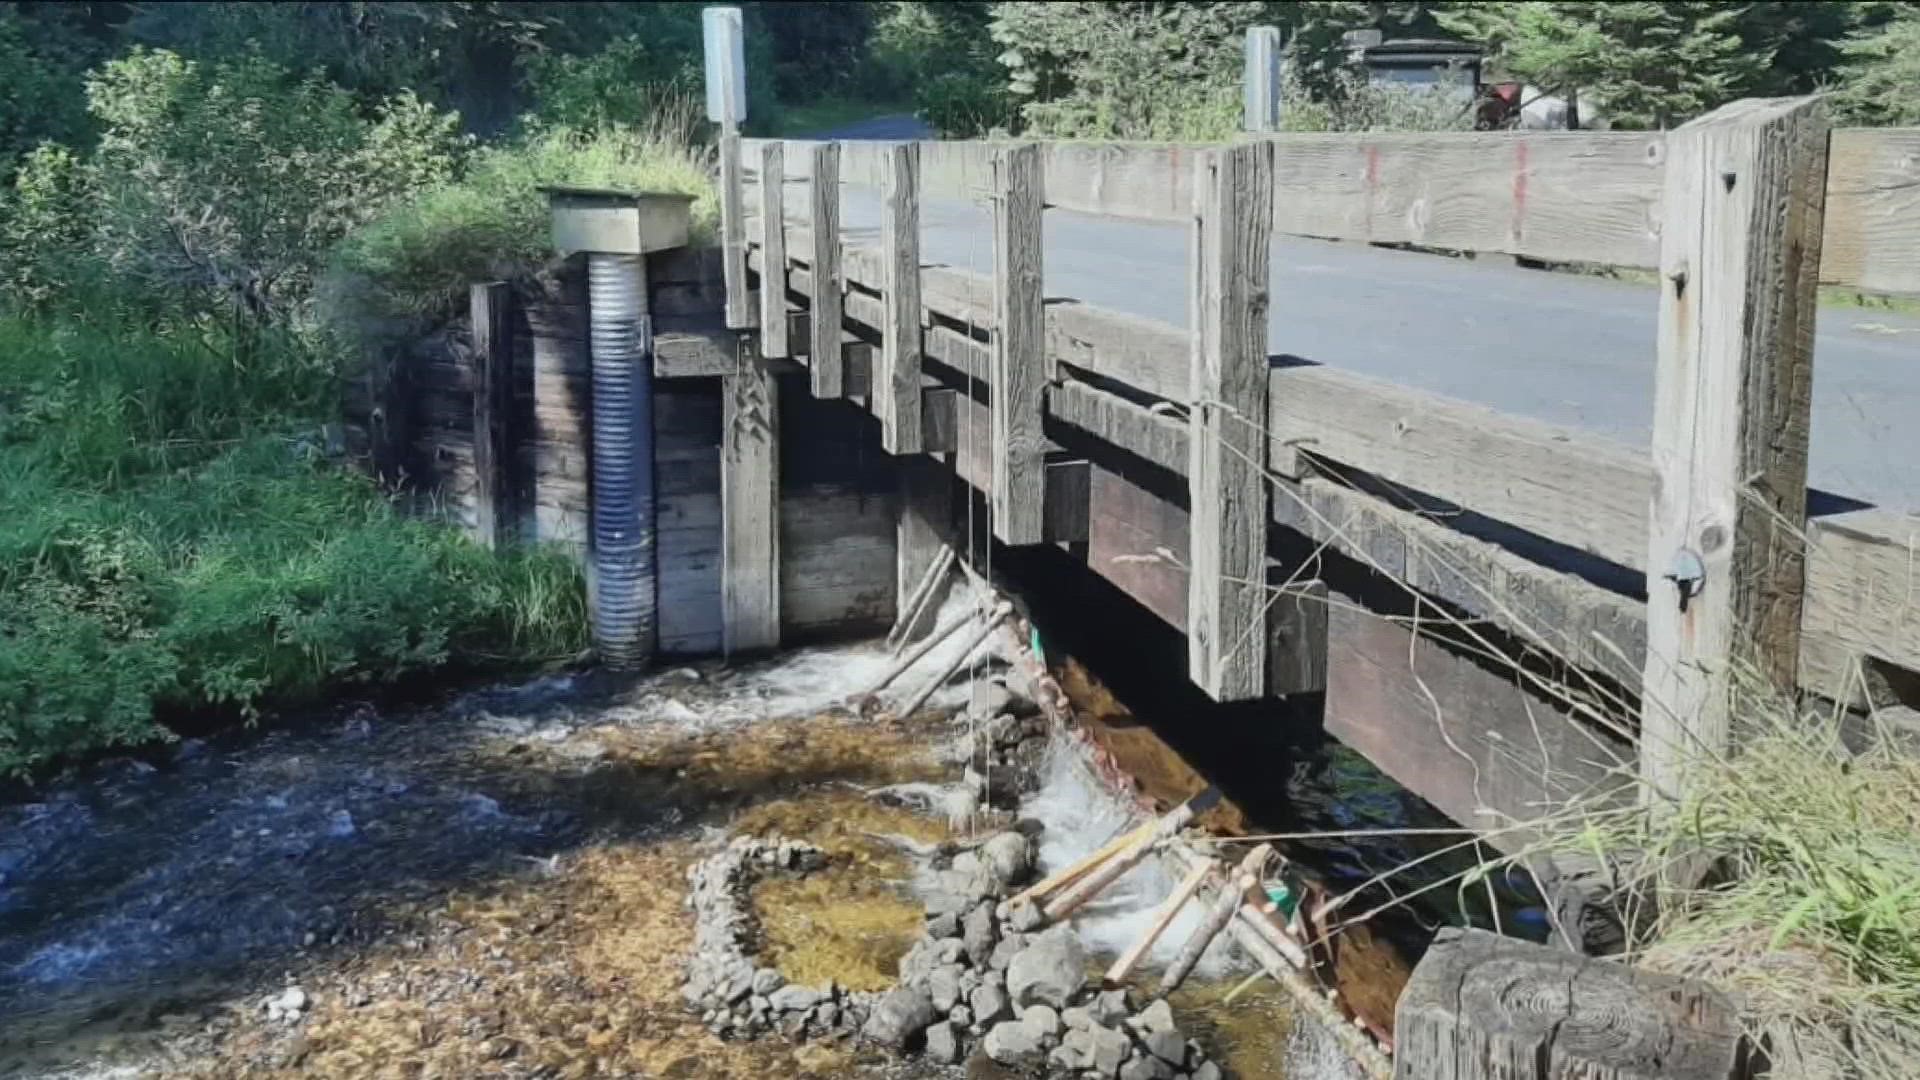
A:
x,y
927,644
922,532
1067,875
1018,381
916,605
1166,826
750,507
1480,1005
825,365
733,234
1233,215
1161,920
896,384
1218,916
987,627
1740,263
775,342
494,514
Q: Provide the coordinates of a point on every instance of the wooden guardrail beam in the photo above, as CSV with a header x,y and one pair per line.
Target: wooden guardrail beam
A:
x,y
1733,391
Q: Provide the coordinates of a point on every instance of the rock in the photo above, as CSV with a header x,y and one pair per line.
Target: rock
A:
x,y
1076,1018
340,824
1003,953
287,1005
1146,1068
1009,856
1155,1017
1049,971
1110,1050
962,1016
944,988
949,950
899,1015
917,966
1110,1007
792,998
1044,1021
1207,1071
990,698
943,1043
944,925
947,902
980,933
767,980
739,988
990,1004
1168,1046
1195,1054
1011,1042
1025,916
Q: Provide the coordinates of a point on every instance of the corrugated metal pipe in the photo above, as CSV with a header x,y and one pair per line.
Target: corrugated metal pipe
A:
x,y
620,337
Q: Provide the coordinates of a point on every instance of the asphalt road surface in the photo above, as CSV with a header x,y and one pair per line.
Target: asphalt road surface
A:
x,y
1570,349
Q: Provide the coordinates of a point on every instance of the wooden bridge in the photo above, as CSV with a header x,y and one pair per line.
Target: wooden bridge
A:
x,y
1497,610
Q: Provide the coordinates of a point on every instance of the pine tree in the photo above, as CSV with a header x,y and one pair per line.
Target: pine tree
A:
x,y
1880,80
1645,63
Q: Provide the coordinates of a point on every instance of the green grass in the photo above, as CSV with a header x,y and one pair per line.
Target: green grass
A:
x,y
493,223
176,544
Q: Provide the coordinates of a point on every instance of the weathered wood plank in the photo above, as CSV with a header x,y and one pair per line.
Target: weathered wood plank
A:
x,y
774,331
1863,601
750,507
1565,485
1296,645
1481,1005
1019,373
823,226
896,385
1873,210
1467,736
733,233
491,308
1746,185
1067,499
1141,431
389,424
1233,213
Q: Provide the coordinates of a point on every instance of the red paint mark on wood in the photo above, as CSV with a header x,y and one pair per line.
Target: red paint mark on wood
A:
x,y
1518,227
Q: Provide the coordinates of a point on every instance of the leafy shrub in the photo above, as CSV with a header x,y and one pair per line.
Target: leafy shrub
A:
x,y
960,104
230,182
40,100
168,548
625,83
419,258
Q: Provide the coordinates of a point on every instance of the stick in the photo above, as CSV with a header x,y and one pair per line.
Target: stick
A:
x,y
1245,985
999,613
927,645
1067,876
1161,921
1218,917
1089,886
922,593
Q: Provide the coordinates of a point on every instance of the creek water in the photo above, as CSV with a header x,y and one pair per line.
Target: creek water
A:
x,y
490,884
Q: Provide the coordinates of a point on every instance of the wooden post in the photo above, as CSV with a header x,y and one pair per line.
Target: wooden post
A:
x,y
750,506
1262,79
733,234
829,282
773,252
389,429
493,436
1480,1005
1739,262
1296,635
896,385
1019,373
1233,224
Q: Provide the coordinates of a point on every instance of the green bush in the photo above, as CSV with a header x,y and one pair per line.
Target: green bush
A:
x,y
625,83
419,258
40,100
169,548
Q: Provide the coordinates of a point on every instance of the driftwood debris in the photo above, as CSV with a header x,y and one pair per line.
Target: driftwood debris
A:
x,y
987,628
1161,920
923,594
1111,870
1218,917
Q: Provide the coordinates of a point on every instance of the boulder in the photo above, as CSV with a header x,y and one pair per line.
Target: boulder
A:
x,y
980,933
1146,1068
1110,1050
901,1014
1207,1071
1011,1042
1109,1007
1049,971
943,1043
1008,856
1044,1021
944,925
1155,1017
792,998
1168,1046
944,987
766,981
990,1004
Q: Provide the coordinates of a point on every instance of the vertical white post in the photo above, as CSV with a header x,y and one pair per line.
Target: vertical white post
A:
x,y
1262,79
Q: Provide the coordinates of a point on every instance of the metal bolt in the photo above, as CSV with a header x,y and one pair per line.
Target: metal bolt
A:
x,y
1688,573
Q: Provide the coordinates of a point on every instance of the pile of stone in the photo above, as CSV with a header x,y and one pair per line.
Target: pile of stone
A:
x,y
735,996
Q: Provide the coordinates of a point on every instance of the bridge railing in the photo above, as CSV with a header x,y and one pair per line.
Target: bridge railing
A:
x,y
1740,213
